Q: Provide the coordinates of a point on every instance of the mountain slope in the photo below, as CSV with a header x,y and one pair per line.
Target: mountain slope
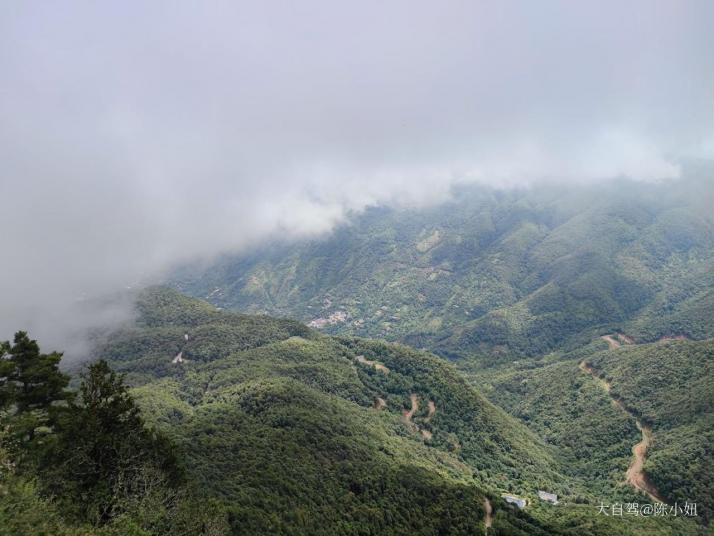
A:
x,y
297,432
516,273
670,386
559,403
300,432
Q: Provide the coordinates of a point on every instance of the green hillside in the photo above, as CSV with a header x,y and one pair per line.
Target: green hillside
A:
x,y
285,425
569,411
273,428
670,386
232,348
516,273
298,432
517,288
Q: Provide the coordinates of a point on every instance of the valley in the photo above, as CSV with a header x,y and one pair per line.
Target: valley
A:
x,y
506,274
357,268
338,406
579,318
512,363
322,430
635,474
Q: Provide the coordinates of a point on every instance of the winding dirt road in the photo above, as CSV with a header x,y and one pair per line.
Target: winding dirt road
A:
x,y
616,340
432,409
415,406
377,365
611,341
635,474
408,414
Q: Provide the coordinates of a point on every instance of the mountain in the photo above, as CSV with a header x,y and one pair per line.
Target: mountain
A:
x,y
666,386
500,273
585,312
669,385
295,432
299,431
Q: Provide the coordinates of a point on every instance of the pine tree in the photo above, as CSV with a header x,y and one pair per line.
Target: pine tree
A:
x,y
36,377
103,455
6,368
32,382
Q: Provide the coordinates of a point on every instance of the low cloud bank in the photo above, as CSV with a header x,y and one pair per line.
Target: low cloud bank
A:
x,y
134,137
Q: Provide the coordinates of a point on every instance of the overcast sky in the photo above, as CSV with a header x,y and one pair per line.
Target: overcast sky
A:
x,y
135,135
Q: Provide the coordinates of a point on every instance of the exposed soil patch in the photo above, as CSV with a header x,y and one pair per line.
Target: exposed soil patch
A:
x,y
635,474
615,340
381,368
338,317
377,365
429,242
611,341
431,407
408,414
674,338
625,339
488,519
379,403
585,367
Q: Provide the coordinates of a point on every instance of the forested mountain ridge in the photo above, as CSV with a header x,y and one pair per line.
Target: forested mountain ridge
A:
x,y
299,431
302,422
667,386
363,268
670,386
521,289
518,272
279,429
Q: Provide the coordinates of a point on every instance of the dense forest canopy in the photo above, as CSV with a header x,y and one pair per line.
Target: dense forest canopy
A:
x,y
266,426
515,273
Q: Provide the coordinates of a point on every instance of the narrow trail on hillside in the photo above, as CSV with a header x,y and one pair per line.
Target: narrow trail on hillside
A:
x,y
488,519
377,365
635,474
615,340
179,357
432,409
408,414
415,406
611,341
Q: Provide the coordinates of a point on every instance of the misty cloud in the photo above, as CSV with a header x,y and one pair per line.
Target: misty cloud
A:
x,y
134,136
